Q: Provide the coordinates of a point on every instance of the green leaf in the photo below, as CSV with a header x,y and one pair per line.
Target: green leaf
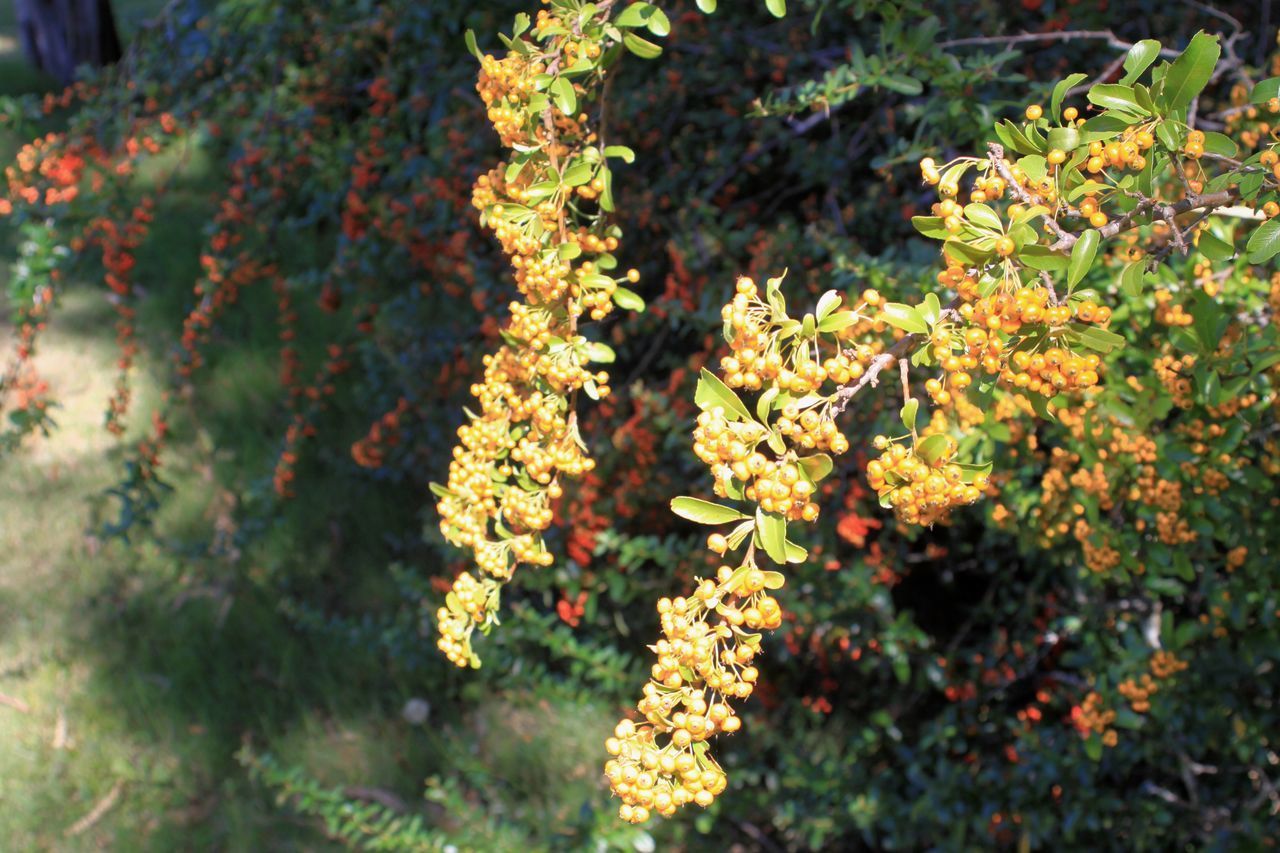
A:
x,y
1063,138
1220,144
795,553
764,403
599,353
904,317
827,303
1042,258
908,413
931,448
707,6
777,8
1100,340
1191,71
659,24
641,47
1213,248
1012,137
705,512
967,252
712,393
931,309
1265,90
1082,253
902,84
1264,242
470,39
817,466
1093,747
983,216
771,530
931,226
1131,279
620,151
566,99
606,197
1113,96
837,321
628,300
1060,92
1139,59
774,580
635,15
578,174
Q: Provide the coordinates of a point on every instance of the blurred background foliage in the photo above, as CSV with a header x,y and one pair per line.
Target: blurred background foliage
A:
x,y
233,669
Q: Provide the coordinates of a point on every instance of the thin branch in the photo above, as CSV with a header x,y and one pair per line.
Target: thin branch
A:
x,y
845,393
1112,68
382,797
996,152
95,814
906,381
1065,35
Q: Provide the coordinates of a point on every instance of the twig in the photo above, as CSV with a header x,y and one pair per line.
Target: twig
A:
x,y
996,152
95,814
845,393
375,795
15,703
1101,78
906,381
1065,35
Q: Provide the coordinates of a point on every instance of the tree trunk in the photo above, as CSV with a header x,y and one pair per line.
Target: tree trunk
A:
x,y
60,35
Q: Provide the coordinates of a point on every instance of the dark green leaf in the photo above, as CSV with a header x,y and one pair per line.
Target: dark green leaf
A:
x,y
1264,242
1060,92
1113,96
1190,71
1082,254
1139,59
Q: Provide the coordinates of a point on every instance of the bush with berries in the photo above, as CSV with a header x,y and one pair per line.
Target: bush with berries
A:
x,y
974,335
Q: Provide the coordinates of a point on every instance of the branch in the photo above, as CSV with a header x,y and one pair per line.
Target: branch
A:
x,y
1066,35
996,152
845,393
382,797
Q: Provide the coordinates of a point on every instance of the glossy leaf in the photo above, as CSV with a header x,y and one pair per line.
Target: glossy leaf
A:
x,y
705,512
1191,71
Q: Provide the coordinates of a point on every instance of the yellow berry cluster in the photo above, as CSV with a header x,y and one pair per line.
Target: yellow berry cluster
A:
x,y
1164,664
710,640
512,453
1124,153
767,350
922,489
663,763
1093,717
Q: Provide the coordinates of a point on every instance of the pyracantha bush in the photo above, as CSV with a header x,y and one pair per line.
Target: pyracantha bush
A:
x,y
1035,465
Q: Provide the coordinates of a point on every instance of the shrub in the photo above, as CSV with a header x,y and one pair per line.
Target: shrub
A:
x,y
1047,611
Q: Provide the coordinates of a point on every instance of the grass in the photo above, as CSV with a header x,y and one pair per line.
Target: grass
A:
x,y
131,673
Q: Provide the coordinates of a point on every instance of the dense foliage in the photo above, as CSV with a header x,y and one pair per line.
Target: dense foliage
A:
x,y
1078,645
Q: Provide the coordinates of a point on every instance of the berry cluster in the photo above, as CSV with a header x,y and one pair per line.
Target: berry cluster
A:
x,y
922,483
512,453
710,639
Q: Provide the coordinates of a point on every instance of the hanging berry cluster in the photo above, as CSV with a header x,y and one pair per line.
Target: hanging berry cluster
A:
x,y
548,205
773,455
